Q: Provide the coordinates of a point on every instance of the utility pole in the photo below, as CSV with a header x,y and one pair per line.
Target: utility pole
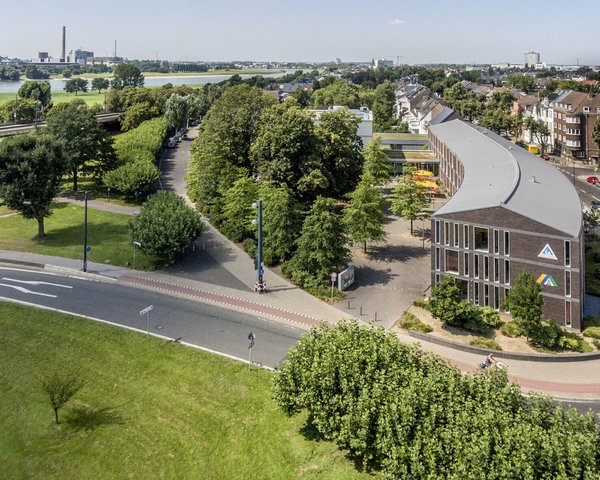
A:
x,y
260,285
85,248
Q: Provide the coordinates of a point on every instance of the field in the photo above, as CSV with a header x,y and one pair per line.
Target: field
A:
x,y
61,96
149,409
108,236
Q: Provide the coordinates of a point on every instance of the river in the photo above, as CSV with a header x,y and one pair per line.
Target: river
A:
x,y
58,84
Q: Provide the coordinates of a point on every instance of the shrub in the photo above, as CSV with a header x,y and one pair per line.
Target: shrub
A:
x,y
132,177
165,225
412,415
250,247
424,304
409,321
142,143
547,334
447,305
511,329
486,343
593,332
596,343
591,322
489,316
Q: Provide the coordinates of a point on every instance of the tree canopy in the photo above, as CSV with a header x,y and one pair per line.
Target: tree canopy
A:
x,y
127,75
39,91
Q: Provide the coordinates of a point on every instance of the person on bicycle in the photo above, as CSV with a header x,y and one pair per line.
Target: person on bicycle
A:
x,y
489,361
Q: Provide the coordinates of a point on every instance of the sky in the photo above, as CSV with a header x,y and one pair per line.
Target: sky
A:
x,y
417,31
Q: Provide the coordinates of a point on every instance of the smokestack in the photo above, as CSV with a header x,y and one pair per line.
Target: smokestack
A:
x,y
63,57
115,49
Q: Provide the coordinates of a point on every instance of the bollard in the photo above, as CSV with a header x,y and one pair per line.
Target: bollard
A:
x,y
361,311
375,316
349,305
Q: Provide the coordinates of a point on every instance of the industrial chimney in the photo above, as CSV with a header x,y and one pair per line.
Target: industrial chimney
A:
x,y
63,56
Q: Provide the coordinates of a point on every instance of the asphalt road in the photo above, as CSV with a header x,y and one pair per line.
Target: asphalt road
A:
x,y
218,329
587,191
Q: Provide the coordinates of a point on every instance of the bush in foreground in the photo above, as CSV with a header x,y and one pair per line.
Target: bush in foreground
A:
x,y
414,416
165,225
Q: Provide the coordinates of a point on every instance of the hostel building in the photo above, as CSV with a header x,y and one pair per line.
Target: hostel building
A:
x,y
509,212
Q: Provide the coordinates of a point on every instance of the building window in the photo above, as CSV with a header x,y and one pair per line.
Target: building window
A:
x,y
507,272
496,241
506,292
437,231
437,258
466,264
476,293
567,253
496,269
586,109
438,278
476,265
456,230
507,243
497,298
567,283
452,261
486,294
446,233
481,239
568,313
486,268
466,236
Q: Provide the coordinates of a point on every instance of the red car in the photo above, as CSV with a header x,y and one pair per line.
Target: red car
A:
x,y
593,180
546,157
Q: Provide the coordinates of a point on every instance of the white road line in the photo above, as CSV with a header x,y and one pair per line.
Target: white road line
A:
x,y
24,290
28,271
35,282
595,198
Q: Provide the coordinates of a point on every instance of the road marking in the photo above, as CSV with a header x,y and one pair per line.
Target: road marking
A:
x,y
27,271
35,282
595,198
24,290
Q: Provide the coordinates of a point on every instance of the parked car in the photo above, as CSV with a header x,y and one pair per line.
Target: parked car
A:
x,y
593,180
172,143
596,204
545,157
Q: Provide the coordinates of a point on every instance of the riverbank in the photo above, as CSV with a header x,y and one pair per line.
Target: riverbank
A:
x,y
157,75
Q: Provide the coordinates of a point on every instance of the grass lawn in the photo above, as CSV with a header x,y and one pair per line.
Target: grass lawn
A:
x,y
108,236
97,192
148,410
61,96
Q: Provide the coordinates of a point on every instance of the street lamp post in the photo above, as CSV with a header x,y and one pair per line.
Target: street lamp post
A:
x,y
85,248
135,244
259,268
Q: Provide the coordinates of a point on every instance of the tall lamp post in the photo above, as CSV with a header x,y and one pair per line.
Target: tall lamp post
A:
x,y
259,269
85,247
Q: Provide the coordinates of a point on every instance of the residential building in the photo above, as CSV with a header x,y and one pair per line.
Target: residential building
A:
x,y
575,115
382,63
509,212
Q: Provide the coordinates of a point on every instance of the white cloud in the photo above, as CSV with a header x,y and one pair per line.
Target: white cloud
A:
x,y
397,22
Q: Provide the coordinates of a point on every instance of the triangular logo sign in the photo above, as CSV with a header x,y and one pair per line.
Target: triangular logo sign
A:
x,y
547,280
547,253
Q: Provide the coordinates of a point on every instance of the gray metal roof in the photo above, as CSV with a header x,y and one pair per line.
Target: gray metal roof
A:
x,y
440,117
499,173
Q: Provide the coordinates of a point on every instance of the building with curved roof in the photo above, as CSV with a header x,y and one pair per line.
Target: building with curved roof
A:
x,y
509,211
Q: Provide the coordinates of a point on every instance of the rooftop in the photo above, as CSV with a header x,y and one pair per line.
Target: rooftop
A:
x,y
498,173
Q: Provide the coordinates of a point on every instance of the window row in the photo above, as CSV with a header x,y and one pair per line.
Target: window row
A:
x,y
456,236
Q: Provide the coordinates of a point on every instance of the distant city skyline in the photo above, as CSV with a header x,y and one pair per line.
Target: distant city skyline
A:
x,y
430,31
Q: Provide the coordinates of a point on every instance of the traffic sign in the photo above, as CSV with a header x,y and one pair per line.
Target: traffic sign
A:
x,y
333,276
146,310
88,249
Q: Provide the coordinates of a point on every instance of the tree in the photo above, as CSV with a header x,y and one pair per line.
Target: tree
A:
x,y
88,147
165,225
524,83
340,92
377,163
525,303
66,73
132,178
180,108
596,134
413,415
339,151
100,84
237,209
137,114
281,222
384,99
60,388
447,305
22,110
322,247
34,73
76,85
284,147
497,120
31,168
302,96
410,200
127,75
39,91
538,130
364,217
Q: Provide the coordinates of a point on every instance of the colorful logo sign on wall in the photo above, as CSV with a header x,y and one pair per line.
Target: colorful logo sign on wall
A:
x,y
548,253
547,280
